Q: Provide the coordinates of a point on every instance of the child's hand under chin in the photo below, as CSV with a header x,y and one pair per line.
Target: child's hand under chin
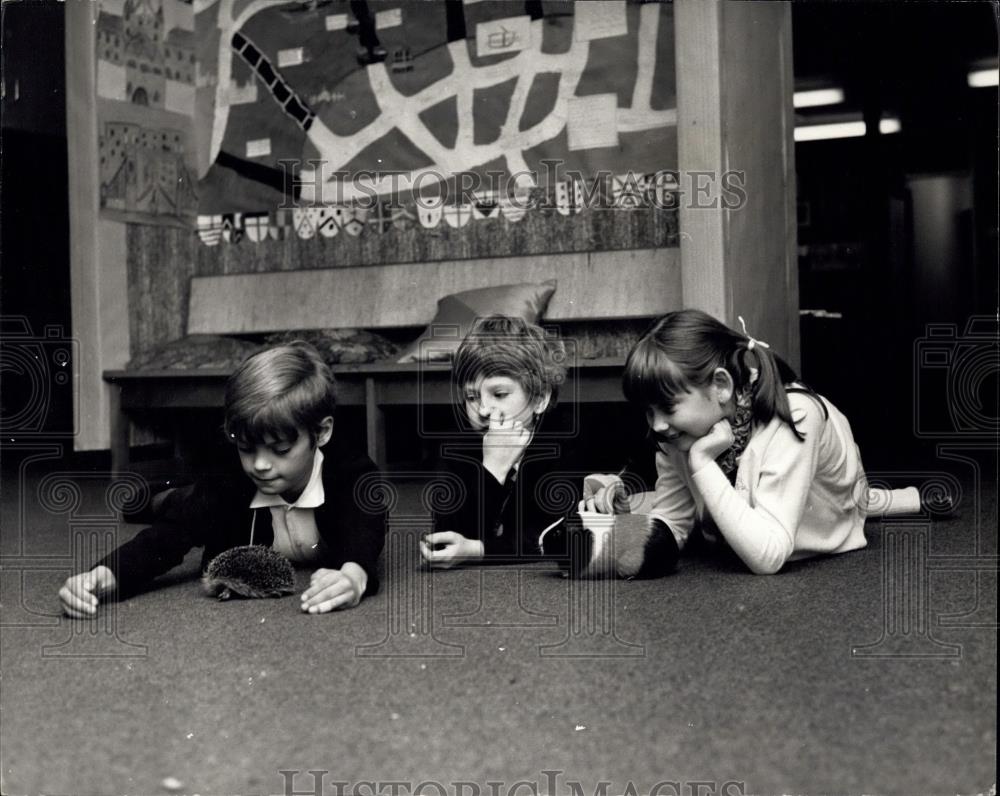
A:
x,y
503,445
708,448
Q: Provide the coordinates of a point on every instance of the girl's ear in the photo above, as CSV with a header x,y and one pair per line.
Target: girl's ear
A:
x,y
722,382
324,431
542,402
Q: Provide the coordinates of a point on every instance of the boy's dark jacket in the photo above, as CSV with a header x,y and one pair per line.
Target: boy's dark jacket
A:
x,y
215,513
509,517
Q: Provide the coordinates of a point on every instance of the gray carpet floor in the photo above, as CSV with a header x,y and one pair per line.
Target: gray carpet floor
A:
x,y
872,672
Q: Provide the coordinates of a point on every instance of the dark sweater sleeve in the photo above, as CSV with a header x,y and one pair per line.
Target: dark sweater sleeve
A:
x,y
477,504
361,523
180,525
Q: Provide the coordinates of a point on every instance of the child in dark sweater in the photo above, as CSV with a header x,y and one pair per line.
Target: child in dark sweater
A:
x,y
507,374
279,409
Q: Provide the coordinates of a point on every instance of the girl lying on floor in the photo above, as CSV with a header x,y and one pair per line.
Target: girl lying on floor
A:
x,y
745,452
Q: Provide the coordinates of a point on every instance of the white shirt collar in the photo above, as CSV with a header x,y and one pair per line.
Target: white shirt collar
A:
x,y
312,496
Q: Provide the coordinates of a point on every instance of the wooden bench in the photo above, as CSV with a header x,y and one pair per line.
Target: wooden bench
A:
x,y
591,286
374,386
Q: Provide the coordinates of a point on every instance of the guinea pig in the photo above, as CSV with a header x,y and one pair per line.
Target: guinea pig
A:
x,y
589,544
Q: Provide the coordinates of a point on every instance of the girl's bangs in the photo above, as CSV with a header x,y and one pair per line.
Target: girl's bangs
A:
x,y
651,378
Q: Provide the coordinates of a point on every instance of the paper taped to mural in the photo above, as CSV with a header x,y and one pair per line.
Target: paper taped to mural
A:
x,y
146,77
350,104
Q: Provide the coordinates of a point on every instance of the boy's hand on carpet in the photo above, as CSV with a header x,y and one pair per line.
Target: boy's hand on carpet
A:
x,y
503,445
81,593
332,589
446,549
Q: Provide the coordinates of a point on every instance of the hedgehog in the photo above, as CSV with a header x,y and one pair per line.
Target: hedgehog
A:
x,y
248,571
588,544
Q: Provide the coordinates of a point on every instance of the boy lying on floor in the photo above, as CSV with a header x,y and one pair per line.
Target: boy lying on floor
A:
x,y
279,409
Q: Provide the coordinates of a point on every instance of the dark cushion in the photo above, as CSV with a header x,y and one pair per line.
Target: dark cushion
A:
x,y
339,346
457,313
193,352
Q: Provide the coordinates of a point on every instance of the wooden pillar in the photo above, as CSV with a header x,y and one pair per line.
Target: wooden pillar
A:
x,y
735,117
98,281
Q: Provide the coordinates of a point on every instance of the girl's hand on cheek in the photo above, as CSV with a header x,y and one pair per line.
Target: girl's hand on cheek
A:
x,y
716,442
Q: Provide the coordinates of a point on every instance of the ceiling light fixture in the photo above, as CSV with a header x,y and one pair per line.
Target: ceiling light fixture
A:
x,y
817,97
852,129
984,78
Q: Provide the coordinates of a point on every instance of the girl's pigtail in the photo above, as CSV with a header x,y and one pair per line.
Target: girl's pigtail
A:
x,y
766,374
768,387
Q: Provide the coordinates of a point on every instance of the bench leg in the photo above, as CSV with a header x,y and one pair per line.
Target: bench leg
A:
x,y
374,424
119,431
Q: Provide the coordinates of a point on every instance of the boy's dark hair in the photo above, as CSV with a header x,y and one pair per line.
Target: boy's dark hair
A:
x,y
681,351
502,345
277,391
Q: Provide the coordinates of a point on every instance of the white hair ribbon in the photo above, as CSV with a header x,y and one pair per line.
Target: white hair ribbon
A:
x,y
753,342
